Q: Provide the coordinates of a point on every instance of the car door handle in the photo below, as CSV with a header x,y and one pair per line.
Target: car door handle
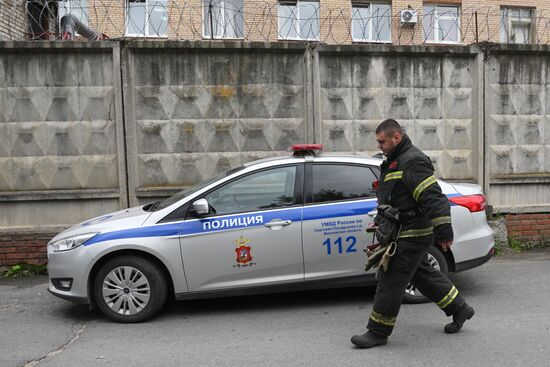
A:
x,y
372,213
278,222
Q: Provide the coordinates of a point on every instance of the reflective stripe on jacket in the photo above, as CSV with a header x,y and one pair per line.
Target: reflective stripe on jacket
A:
x,y
407,182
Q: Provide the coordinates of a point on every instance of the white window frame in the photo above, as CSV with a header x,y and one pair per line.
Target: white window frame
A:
x,y
369,5
205,23
65,7
507,21
298,19
147,13
436,18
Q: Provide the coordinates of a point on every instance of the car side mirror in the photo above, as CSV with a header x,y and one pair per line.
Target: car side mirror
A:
x,y
201,206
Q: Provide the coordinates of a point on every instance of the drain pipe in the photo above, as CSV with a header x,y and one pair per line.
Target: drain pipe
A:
x,y
70,25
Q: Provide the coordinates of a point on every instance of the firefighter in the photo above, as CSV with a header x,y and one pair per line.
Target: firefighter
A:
x,y
407,183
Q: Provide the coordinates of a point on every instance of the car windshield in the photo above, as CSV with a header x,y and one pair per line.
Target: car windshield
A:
x,y
182,194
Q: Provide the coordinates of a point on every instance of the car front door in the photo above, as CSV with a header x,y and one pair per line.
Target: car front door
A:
x,y
339,198
252,235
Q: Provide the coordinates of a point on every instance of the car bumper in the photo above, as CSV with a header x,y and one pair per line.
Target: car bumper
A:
x,y
70,265
465,265
67,296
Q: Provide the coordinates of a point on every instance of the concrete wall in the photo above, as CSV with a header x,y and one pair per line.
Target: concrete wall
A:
x,y
89,128
518,129
62,150
192,112
433,94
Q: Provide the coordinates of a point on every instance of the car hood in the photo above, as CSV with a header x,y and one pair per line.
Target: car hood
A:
x,y
127,218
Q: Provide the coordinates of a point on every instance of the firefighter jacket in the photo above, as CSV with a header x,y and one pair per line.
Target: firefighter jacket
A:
x,y
407,182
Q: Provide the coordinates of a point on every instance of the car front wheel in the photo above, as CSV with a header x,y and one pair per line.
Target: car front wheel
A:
x,y
437,260
130,289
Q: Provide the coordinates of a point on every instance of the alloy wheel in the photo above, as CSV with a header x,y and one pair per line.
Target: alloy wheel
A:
x,y
126,290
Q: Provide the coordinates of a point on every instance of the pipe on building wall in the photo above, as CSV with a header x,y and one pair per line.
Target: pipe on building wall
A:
x,y
71,25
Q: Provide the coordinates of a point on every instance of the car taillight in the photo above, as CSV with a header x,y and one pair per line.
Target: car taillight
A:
x,y
474,203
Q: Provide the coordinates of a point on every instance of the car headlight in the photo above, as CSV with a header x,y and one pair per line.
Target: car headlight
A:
x,y
69,243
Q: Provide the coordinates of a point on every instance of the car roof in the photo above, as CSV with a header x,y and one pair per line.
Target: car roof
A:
x,y
321,157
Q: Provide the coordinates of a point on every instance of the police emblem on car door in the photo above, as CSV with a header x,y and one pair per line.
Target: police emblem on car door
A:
x,y
251,234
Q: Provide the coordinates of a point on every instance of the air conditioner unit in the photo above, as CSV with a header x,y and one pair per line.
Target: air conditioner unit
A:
x,y
408,16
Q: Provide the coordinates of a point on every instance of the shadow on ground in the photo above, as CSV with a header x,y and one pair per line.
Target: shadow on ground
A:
x,y
361,297
270,302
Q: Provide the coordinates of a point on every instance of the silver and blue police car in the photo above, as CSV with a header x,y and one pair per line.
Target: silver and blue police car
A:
x,y
272,225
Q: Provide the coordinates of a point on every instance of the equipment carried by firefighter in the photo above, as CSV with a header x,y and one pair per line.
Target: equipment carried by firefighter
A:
x,y
386,232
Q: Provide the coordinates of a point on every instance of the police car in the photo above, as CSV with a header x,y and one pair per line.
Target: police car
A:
x,y
272,225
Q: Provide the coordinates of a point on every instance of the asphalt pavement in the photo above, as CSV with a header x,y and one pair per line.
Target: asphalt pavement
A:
x,y
511,327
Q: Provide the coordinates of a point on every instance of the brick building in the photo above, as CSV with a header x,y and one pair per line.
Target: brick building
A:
x,y
328,21
13,23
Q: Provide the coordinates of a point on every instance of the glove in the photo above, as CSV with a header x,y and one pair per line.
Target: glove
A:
x,y
380,257
386,257
374,257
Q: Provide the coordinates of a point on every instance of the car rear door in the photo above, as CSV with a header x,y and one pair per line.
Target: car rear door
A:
x,y
338,197
252,236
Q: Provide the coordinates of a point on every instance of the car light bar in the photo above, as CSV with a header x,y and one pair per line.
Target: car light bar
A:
x,y
474,203
306,149
297,147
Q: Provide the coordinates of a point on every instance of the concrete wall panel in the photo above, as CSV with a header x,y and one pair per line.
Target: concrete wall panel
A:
x,y
431,96
517,106
60,133
196,111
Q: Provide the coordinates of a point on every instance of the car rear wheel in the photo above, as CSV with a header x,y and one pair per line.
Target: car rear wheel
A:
x,y
437,260
130,289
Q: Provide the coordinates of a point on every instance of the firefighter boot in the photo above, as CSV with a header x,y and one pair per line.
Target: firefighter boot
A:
x,y
368,340
464,313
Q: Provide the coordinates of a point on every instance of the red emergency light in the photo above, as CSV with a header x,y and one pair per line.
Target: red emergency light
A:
x,y
297,147
306,149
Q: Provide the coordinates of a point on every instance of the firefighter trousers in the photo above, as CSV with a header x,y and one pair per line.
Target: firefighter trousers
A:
x,y
410,265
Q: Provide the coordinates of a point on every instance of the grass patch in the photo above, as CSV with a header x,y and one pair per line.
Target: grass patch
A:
x,y
516,245
25,270
500,248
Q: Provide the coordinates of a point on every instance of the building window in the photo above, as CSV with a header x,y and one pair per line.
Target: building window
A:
x,y
441,24
299,20
146,18
371,22
517,25
78,8
223,18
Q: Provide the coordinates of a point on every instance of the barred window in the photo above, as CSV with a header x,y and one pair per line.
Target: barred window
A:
x,y
517,25
223,19
78,8
371,22
146,18
298,20
441,24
